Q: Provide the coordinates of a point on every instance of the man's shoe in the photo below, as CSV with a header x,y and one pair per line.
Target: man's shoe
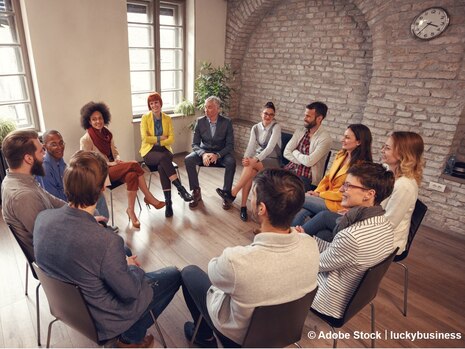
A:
x,y
226,205
225,195
196,196
189,329
146,343
244,214
168,209
113,228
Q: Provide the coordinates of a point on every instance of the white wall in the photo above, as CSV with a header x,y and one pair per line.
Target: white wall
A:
x,y
80,53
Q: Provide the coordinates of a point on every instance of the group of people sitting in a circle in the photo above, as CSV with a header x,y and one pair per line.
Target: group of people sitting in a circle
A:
x,y
315,230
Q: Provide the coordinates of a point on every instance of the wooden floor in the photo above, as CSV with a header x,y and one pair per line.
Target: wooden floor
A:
x,y
436,292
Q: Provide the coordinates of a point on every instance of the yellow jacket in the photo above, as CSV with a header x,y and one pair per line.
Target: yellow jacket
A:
x,y
147,133
330,184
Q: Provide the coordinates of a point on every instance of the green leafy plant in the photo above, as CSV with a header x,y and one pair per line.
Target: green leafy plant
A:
x,y
6,126
213,81
186,108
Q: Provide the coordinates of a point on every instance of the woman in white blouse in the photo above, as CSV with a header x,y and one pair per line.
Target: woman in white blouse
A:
x,y
403,153
263,151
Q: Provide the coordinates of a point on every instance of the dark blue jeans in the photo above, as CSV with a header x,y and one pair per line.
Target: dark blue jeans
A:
x,y
165,283
322,225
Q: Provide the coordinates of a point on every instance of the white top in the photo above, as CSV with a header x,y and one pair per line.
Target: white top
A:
x,y
274,269
320,145
254,143
399,208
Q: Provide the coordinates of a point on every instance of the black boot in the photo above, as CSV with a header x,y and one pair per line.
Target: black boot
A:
x,y
182,191
169,204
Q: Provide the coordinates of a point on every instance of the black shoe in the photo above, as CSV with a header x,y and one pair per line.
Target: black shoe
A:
x,y
189,329
226,205
225,195
169,210
185,194
197,197
244,216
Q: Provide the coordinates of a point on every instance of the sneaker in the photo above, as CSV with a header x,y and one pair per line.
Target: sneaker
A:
x,y
189,328
146,343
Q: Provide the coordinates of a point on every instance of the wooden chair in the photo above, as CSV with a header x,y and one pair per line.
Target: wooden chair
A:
x,y
417,217
275,326
29,260
363,295
68,305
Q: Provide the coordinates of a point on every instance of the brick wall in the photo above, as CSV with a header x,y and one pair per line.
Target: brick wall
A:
x,y
360,58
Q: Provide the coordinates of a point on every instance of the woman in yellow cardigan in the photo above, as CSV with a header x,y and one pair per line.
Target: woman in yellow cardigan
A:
x,y
356,146
156,130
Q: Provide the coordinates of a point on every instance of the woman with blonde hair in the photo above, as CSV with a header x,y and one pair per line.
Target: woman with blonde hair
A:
x,y
403,153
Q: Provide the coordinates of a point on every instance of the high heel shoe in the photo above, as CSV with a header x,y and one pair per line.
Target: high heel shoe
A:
x,y
135,222
158,205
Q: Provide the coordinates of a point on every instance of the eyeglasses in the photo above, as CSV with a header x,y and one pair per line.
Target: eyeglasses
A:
x,y
268,114
347,185
56,145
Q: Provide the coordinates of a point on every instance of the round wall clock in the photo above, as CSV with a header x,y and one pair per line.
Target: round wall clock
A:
x,y
430,23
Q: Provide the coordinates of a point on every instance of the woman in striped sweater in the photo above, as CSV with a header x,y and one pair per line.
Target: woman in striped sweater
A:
x,y
364,238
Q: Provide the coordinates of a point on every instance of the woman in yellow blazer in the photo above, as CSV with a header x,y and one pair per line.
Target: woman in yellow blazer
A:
x,y
356,146
156,130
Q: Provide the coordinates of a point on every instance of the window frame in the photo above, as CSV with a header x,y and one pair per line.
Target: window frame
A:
x,y
155,6
26,73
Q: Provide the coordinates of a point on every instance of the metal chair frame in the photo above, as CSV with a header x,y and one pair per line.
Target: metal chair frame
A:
x,y
153,169
112,187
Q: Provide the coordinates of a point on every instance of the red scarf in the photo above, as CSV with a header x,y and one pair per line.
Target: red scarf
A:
x,y
102,140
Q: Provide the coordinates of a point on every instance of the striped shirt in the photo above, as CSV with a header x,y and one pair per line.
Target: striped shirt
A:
x,y
344,261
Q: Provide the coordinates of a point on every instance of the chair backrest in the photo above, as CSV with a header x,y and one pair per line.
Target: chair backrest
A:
x,y
417,217
67,304
367,288
285,138
277,326
30,258
327,162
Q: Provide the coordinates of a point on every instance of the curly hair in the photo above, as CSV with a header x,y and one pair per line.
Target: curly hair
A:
x,y
91,107
409,147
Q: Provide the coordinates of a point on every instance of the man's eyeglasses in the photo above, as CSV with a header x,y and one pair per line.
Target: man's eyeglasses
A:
x,y
56,145
347,185
268,114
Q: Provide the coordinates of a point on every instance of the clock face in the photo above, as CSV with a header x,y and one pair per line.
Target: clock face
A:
x,y
430,23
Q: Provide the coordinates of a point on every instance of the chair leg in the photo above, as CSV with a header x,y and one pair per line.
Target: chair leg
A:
x,y
297,345
158,329
335,337
150,180
27,278
405,286
49,333
179,175
197,325
372,325
38,314
111,204
138,201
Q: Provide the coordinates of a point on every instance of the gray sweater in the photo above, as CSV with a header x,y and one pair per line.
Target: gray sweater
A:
x,y
71,246
274,269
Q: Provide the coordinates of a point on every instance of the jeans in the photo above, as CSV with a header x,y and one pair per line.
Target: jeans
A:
x,y
102,207
312,205
195,285
322,225
165,283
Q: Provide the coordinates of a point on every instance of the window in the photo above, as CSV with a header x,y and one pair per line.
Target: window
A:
x,y
156,52
16,95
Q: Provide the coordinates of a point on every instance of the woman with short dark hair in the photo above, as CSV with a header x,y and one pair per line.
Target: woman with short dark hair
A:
x,y
94,119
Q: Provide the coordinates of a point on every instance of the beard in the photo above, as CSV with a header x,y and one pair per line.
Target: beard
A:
x,y
37,169
310,125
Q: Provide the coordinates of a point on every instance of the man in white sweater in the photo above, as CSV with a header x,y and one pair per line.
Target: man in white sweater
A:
x,y
280,266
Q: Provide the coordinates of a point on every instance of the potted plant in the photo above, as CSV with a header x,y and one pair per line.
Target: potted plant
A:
x,y
6,126
213,81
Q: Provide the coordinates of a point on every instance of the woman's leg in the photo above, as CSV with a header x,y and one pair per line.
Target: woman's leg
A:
x,y
300,217
314,204
324,220
130,210
248,173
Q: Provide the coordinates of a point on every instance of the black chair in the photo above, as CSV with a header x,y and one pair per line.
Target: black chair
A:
x,y
312,186
68,305
112,187
364,294
153,169
417,217
29,260
285,138
209,166
276,326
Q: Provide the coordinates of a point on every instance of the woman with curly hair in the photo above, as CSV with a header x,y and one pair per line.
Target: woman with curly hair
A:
x,y
403,153
356,146
94,119
156,131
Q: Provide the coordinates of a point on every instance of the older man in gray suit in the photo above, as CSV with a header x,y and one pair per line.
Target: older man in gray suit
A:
x,y
213,145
